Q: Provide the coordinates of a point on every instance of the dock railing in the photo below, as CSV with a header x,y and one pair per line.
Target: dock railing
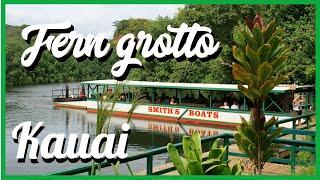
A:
x,y
292,145
73,93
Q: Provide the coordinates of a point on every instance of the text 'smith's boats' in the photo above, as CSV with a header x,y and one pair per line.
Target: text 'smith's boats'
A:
x,y
215,105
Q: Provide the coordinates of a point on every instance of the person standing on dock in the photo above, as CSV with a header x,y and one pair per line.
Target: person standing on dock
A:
x,y
297,106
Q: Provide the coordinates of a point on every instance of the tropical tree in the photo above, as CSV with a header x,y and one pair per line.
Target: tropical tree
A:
x,y
260,55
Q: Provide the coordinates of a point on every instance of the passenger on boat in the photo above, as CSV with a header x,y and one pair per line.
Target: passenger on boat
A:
x,y
82,94
157,99
215,102
172,101
235,105
166,100
145,96
122,97
225,105
163,97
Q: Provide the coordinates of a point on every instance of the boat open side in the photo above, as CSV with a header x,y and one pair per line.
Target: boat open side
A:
x,y
190,103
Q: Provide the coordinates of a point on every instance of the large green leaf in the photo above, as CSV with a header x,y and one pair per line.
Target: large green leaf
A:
x,y
240,68
175,158
221,169
277,52
270,123
246,92
195,168
274,134
237,54
214,153
253,57
257,35
267,33
264,71
238,139
186,146
240,57
253,80
250,134
250,40
274,42
266,87
239,38
255,93
240,75
223,153
277,62
211,162
195,137
184,162
264,52
214,144
236,169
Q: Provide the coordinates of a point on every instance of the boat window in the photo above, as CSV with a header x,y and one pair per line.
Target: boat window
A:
x,y
281,102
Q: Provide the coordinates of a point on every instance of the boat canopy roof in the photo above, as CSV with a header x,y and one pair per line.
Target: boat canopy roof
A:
x,y
191,86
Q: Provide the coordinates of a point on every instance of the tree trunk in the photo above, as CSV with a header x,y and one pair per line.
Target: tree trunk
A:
x,y
259,121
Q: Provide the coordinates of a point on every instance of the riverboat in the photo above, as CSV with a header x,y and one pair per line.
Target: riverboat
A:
x,y
215,105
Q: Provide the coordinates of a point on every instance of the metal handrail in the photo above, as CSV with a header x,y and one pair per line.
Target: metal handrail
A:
x,y
62,92
295,118
295,146
153,152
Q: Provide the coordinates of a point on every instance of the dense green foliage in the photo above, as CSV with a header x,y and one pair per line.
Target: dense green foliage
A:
x,y
307,161
191,163
298,21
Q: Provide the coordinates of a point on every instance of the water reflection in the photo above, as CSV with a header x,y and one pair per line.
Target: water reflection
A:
x,y
33,103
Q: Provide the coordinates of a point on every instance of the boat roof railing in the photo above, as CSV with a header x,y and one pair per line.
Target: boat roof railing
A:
x,y
282,88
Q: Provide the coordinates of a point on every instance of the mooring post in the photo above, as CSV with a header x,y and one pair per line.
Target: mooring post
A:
x,y
67,91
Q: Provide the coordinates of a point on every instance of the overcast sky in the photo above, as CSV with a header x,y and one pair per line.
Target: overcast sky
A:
x,y
85,18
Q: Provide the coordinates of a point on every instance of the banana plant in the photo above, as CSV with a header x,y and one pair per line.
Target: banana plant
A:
x,y
260,55
191,162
